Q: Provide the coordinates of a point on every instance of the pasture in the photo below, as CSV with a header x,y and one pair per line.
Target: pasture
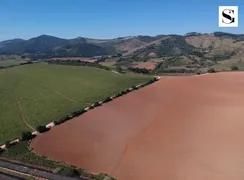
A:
x,y
226,64
37,94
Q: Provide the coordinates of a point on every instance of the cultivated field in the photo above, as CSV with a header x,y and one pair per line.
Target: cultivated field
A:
x,y
178,128
37,94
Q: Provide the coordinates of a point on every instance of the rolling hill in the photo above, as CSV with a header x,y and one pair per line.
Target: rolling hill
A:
x,y
196,49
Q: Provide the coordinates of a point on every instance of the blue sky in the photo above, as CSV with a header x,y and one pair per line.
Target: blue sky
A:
x,y
111,18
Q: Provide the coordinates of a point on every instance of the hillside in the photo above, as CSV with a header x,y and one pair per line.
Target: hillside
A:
x,y
195,50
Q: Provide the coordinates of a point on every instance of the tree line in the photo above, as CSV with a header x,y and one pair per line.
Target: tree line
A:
x,y
139,70
77,63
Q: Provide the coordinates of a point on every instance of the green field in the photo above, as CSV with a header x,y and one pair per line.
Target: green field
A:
x,y
226,64
37,94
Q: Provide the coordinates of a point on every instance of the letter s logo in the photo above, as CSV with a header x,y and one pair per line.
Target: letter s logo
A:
x,y
228,16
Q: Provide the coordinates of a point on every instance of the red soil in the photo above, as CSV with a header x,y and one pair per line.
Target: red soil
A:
x,y
188,128
146,65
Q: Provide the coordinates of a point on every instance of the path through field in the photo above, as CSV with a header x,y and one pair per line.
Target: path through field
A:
x,y
22,114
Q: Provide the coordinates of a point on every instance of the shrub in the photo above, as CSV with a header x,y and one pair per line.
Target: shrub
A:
x,y
118,69
151,81
41,129
62,120
56,122
26,136
96,104
234,68
107,100
70,171
119,94
139,70
211,70
127,91
134,87
7,144
122,92
77,113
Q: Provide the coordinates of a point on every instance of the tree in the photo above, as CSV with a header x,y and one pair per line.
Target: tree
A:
x,y
107,100
234,68
118,69
70,171
41,129
211,70
7,144
26,136
96,104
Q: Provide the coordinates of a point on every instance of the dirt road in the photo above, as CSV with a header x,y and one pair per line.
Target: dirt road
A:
x,y
180,128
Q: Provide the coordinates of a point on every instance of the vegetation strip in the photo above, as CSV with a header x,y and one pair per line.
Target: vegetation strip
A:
x,y
27,170
42,129
78,63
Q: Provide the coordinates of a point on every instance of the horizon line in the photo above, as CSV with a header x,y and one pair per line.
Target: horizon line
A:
x,y
183,34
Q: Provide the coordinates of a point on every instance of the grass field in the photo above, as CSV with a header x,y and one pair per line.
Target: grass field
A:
x,y
37,94
226,64
10,62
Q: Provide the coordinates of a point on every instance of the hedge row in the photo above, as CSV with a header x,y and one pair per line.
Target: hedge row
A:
x,y
41,129
139,70
77,63
99,103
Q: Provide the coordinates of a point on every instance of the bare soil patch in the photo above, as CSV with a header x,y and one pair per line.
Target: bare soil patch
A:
x,y
178,128
146,65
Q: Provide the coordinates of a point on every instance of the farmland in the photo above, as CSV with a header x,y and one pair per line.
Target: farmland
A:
x,y
37,94
177,128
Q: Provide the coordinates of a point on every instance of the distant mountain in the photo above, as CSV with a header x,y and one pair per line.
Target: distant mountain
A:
x,y
193,34
10,42
131,46
40,44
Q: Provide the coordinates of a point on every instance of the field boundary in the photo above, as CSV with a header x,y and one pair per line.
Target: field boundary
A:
x,y
73,114
32,135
